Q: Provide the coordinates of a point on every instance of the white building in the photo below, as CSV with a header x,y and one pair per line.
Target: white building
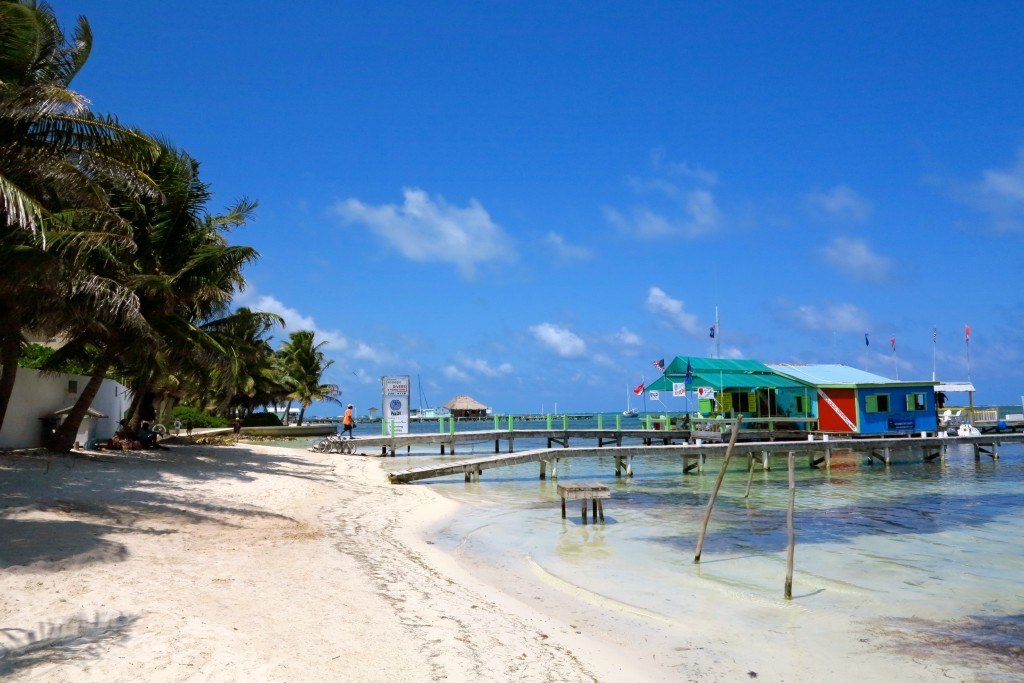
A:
x,y
38,397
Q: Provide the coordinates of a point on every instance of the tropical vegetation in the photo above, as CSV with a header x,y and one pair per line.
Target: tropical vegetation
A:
x,y
108,245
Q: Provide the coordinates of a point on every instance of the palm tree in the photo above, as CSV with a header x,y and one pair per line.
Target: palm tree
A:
x,y
183,273
54,158
306,364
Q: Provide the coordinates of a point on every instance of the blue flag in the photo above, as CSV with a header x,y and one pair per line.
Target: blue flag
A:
x,y
689,373
712,331
866,342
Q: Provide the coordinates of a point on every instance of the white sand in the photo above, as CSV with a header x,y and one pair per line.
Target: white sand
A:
x,y
257,563
251,563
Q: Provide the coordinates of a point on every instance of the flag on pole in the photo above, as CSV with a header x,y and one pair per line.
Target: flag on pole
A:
x,y
639,389
967,334
935,334
712,334
892,340
866,342
689,373
660,364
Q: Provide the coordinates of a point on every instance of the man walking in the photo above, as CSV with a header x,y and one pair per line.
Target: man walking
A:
x,y
348,422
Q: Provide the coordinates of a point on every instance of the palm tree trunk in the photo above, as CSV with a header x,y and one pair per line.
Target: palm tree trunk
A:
x,y
134,414
302,411
64,438
9,354
287,412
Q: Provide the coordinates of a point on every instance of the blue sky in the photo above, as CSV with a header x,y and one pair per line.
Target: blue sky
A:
x,y
530,202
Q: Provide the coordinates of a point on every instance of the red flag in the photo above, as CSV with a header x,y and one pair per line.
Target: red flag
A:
x,y
967,333
639,389
892,340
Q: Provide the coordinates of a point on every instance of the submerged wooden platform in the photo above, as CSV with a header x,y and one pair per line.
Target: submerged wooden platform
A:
x,y
694,456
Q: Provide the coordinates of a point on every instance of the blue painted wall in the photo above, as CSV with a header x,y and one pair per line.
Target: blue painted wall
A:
x,y
897,419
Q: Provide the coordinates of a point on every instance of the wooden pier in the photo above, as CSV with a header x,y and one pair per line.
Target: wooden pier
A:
x,y
561,437
694,456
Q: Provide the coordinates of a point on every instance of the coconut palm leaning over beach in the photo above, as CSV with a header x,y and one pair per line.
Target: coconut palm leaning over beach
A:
x,y
183,273
54,157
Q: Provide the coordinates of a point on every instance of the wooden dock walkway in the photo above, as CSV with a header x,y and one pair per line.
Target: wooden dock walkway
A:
x,y
694,456
561,437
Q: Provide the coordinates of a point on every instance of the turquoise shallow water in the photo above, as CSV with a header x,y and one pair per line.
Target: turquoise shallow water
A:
x,y
929,552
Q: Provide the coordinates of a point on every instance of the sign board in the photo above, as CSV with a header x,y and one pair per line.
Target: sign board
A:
x,y
901,425
655,395
394,401
705,392
678,389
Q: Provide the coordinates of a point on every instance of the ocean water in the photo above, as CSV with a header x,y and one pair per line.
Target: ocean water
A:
x,y
924,560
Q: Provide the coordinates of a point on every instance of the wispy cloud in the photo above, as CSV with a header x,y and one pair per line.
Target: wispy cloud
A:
x,y
1000,192
482,367
830,317
424,229
677,201
672,311
565,251
855,258
295,320
841,202
562,341
454,373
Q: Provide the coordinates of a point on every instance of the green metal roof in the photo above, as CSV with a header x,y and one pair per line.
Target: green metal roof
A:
x,y
699,364
722,379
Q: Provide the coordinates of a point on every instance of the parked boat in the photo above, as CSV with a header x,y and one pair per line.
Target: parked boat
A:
x,y
629,411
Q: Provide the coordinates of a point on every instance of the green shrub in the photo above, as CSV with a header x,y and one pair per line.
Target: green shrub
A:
x,y
262,420
199,418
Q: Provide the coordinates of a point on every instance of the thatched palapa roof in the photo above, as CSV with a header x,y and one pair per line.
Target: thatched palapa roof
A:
x,y
464,402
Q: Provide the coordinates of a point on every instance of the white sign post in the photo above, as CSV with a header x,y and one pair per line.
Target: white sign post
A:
x,y
394,403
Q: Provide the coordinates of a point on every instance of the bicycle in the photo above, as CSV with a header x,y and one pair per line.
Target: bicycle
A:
x,y
335,443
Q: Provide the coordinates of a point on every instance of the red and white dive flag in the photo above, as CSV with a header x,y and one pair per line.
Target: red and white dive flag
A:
x,y
967,334
639,389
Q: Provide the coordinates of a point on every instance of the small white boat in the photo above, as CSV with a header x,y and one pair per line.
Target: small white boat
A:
x,y
629,412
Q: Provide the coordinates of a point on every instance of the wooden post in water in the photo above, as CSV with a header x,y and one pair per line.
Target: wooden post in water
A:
x,y
718,485
791,548
750,475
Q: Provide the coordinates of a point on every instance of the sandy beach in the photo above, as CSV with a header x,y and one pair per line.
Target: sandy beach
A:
x,y
250,563
253,562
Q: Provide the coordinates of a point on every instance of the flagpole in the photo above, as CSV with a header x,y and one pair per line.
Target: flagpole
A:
x,y
935,334
718,335
643,383
967,345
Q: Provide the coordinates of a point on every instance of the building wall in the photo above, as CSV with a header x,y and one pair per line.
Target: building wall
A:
x,y
37,395
828,419
897,419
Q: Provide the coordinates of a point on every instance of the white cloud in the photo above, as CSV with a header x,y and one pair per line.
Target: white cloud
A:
x,y
1001,193
294,321
482,367
838,317
732,352
424,229
855,258
565,251
682,168
673,311
841,202
625,337
452,372
560,340
688,209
